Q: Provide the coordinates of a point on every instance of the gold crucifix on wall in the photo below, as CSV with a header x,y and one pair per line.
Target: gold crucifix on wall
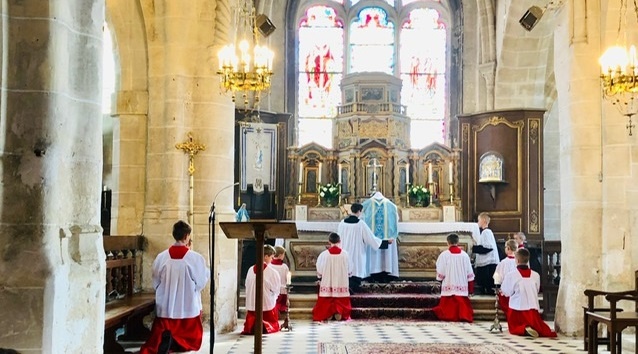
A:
x,y
191,148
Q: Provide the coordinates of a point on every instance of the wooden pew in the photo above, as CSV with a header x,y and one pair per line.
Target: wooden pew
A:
x,y
126,304
614,318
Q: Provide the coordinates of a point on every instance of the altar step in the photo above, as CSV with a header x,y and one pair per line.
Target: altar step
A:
x,y
398,300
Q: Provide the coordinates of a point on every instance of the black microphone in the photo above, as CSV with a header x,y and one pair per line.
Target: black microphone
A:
x,y
212,207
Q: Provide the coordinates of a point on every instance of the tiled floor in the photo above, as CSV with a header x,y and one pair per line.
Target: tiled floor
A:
x,y
307,334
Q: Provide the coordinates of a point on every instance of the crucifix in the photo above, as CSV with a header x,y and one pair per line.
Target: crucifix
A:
x,y
375,176
191,148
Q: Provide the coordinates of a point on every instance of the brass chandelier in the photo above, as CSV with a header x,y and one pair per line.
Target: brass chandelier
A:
x,y
620,75
244,65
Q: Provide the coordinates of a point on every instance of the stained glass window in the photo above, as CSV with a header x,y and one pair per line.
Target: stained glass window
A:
x,y
423,71
390,2
372,42
420,59
320,71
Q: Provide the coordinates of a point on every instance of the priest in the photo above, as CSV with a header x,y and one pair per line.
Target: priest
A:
x,y
356,239
382,216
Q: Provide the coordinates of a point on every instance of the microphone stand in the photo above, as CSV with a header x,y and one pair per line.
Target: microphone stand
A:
x,y
211,259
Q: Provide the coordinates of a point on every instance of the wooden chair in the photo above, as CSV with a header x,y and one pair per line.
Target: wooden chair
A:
x,y
614,318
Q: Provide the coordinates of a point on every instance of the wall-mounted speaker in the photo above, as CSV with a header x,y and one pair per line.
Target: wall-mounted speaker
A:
x,y
531,17
264,25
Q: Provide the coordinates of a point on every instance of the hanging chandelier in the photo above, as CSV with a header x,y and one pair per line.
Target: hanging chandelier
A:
x,y
244,65
620,75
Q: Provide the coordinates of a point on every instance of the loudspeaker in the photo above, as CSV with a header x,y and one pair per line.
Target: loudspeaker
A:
x,y
531,17
264,25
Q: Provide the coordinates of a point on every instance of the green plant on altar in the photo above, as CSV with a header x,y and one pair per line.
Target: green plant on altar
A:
x,y
329,193
419,195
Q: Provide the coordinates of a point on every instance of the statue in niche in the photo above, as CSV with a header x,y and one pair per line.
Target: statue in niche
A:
x,y
311,181
344,181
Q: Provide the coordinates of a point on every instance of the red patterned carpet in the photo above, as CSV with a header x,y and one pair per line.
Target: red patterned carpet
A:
x,y
414,348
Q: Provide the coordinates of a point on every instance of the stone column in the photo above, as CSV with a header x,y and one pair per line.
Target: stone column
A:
x,y
184,97
579,100
52,265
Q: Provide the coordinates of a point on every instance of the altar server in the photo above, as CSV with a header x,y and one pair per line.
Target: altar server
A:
x,y
522,286
284,274
332,270
486,257
356,238
271,286
382,217
507,265
179,275
454,270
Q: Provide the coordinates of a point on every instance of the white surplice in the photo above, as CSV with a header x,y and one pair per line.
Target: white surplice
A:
x,y
178,284
507,265
272,284
282,270
487,240
523,292
455,271
333,271
382,217
356,238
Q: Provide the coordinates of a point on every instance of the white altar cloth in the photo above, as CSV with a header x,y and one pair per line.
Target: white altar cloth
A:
x,y
404,227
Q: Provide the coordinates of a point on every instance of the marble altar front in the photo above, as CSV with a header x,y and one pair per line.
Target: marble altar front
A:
x,y
419,245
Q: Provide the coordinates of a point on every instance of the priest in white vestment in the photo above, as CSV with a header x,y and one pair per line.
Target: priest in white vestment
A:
x,y
382,216
356,239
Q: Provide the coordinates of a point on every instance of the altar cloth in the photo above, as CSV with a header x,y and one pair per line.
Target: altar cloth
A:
x,y
404,227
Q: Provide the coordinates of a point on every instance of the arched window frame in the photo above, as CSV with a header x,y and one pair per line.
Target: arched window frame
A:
x,y
451,16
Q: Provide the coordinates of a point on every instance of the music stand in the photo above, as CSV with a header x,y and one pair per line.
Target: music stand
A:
x,y
259,231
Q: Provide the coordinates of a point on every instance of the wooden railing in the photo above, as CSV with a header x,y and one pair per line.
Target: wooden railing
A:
x,y
550,278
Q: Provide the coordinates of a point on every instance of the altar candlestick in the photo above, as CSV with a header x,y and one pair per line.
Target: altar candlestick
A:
x,y
301,172
319,173
451,173
407,173
339,176
430,172
288,278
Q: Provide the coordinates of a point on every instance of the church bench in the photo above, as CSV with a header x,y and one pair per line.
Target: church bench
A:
x,y
126,305
614,318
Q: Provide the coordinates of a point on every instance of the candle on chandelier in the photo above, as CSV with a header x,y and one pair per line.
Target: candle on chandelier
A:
x,y
301,172
451,173
430,172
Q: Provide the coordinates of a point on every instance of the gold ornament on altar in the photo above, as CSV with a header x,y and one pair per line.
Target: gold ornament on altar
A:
x,y
244,65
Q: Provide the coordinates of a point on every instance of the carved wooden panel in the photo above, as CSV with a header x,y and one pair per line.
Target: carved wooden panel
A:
x,y
515,203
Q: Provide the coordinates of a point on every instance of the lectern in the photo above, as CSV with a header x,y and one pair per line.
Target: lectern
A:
x,y
259,231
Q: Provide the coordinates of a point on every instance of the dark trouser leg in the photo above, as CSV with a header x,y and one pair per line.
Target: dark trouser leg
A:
x,y
354,284
484,279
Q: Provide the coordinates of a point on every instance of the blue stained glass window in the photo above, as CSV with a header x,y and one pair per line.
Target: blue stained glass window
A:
x,y
372,42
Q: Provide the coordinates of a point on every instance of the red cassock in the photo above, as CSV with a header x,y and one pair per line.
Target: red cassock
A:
x,y
187,334
270,323
518,320
504,303
454,308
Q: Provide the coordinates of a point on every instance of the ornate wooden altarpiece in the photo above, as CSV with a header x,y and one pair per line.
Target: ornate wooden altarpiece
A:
x,y
371,152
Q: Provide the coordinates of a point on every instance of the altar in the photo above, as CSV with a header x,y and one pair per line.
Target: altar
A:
x,y
419,245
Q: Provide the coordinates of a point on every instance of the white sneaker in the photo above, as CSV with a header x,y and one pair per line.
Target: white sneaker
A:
x,y
531,332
